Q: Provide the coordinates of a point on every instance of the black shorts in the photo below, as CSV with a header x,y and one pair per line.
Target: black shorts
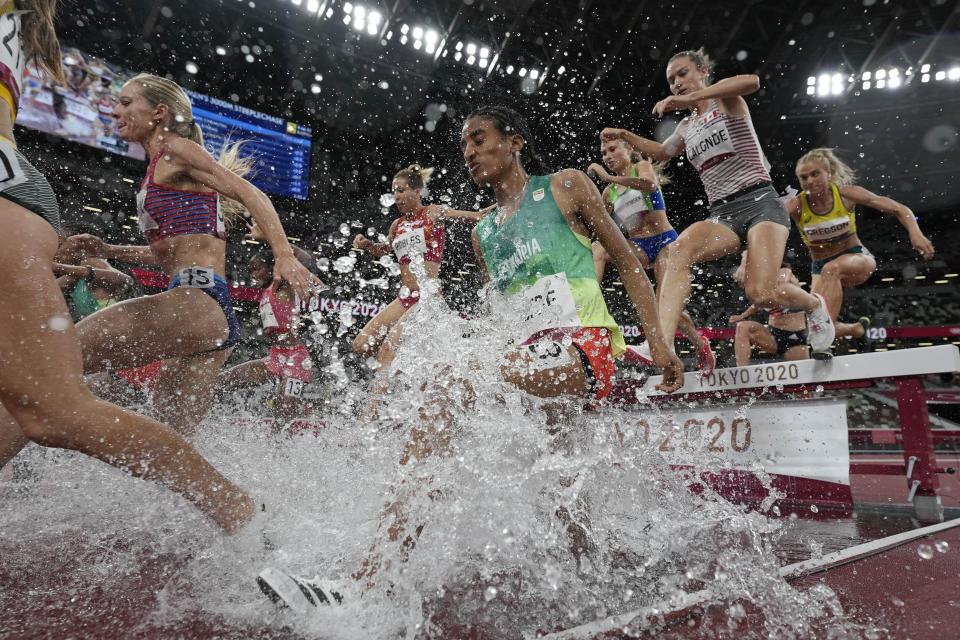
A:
x,y
29,188
787,340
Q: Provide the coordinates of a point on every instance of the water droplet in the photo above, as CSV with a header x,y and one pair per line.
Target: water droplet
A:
x,y
814,508
490,594
925,551
59,323
942,546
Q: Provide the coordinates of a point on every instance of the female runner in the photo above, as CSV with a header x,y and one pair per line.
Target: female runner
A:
x,y
824,214
289,364
419,230
720,142
536,244
191,326
42,394
634,199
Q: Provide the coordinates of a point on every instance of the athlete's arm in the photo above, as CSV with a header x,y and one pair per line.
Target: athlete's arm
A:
x,y
793,208
377,249
671,147
859,195
645,180
479,255
729,92
111,280
200,166
438,211
582,196
749,311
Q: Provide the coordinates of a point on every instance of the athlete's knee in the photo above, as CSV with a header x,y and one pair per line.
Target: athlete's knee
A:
x,y
763,294
55,423
831,271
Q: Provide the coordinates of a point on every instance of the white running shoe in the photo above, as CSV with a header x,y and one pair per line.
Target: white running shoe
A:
x,y
820,330
297,593
639,356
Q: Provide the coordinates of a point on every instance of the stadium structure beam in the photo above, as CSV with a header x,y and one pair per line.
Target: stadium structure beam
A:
x,y
614,51
948,25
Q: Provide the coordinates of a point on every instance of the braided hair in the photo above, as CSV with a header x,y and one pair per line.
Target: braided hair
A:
x,y
509,122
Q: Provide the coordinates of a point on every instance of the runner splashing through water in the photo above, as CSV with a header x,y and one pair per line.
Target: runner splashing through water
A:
x,y
42,392
824,214
535,247
719,140
182,216
419,231
634,199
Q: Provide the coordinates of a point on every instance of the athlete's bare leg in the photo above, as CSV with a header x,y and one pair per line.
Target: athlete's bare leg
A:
x,y
45,394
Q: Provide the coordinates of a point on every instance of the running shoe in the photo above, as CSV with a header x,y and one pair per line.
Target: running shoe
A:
x,y
706,361
297,593
820,331
639,356
866,344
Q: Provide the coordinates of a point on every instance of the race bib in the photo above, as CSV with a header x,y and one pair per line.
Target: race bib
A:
x,y
197,278
708,142
11,52
144,219
550,306
11,173
833,229
629,209
267,317
292,387
410,243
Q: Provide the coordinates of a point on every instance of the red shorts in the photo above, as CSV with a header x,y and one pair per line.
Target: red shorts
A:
x,y
290,362
594,346
410,300
144,377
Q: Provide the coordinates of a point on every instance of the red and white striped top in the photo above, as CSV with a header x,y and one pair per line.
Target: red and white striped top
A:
x,y
725,150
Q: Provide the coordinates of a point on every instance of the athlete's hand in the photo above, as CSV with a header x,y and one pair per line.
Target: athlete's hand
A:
x,y
671,103
76,248
737,318
254,232
609,134
672,371
923,245
360,241
596,170
305,284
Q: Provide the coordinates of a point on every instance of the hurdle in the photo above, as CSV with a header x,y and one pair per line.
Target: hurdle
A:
x,y
905,367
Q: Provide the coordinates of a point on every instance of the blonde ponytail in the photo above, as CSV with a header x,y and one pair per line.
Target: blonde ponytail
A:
x,y
840,172
39,37
416,176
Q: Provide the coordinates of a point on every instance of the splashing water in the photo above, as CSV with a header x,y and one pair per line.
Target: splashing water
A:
x,y
531,523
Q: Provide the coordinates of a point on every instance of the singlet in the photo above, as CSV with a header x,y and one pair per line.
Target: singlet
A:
x,y
13,62
836,225
165,212
725,151
85,302
419,235
536,254
278,316
630,205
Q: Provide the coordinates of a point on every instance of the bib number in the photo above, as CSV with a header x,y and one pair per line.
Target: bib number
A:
x,y
197,278
11,173
411,242
11,51
550,306
293,387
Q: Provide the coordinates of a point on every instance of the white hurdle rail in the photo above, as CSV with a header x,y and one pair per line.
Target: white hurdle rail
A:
x,y
906,367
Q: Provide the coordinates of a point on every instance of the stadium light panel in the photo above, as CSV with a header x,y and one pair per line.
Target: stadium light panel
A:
x,y
940,75
881,74
954,73
347,7
418,33
484,52
509,69
359,12
523,72
534,74
459,46
471,49
471,59
431,36
404,29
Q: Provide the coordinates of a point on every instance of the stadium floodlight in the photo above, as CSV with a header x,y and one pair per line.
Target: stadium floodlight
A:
x,y
404,29
418,33
940,75
374,17
431,36
313,6
925,68
823,85
561,70
457,56
471,49
954,73
866,84
523,72
484,52
403,39
296,3
483,63
925,77
417,44
881,74
347,7
881,84
431,47
534,74
893,82
459,46
359,12
811,80
372,28
509,69
866,75
471,59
